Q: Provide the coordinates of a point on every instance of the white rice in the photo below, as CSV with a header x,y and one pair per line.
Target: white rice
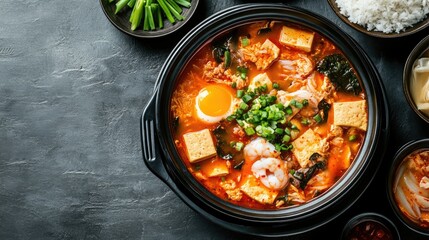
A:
x,y
384,15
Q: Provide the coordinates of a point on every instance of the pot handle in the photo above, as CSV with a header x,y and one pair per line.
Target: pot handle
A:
x,y
150,144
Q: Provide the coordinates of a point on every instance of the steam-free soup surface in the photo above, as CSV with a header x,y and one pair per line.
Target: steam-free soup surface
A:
x,y
268,115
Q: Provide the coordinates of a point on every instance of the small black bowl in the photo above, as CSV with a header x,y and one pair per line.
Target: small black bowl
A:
x,y
400,155
417,27
121,21
420,50
370,224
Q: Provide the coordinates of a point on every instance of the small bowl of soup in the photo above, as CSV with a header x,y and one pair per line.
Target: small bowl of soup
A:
x,y
370,225
408,185
416,79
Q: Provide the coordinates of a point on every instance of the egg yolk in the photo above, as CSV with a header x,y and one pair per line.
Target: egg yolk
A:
x,y
214,100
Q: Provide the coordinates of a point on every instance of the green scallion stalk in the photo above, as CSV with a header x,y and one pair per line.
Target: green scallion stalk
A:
x,y
150,17
131,3
137,14
166,11
146,18
173,11
175,6
159,16
121,4
184,3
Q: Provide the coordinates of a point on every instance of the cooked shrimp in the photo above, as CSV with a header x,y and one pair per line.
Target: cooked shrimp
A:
x,y
272,172
259,148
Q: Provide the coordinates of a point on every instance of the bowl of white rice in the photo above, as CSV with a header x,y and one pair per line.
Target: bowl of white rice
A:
x,y
383,18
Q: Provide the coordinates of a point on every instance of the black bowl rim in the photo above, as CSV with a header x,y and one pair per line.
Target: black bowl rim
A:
x,y
421,48
404,151
371,216
408,31
376,130
171,28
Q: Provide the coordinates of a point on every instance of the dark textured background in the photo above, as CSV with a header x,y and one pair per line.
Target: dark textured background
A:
x,y
72,90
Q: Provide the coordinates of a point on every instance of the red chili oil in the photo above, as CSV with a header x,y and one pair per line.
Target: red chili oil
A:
x,y
369,230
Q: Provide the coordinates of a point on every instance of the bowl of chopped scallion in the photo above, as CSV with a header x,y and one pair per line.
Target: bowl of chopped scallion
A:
x,y
148,18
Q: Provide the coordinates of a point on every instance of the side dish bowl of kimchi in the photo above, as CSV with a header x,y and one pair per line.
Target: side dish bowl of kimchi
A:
x,y
408,185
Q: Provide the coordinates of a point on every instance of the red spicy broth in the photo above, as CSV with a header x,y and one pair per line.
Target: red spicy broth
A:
x,y
277,144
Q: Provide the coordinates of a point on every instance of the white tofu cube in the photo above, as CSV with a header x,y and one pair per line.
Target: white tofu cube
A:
x,y
253,188
199,145
351,114
296,38
305,145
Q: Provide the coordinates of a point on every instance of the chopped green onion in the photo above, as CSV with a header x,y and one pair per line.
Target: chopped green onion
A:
x,y
243,106
246,98
352,138
276,86
227,57
240,93
230,117
245,41
239,146
304,102
242,71
317,118
263,88
249,131
286,138
305,121
279,131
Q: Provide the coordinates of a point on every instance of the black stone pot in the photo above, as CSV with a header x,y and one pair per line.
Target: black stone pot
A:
x,y
162,158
